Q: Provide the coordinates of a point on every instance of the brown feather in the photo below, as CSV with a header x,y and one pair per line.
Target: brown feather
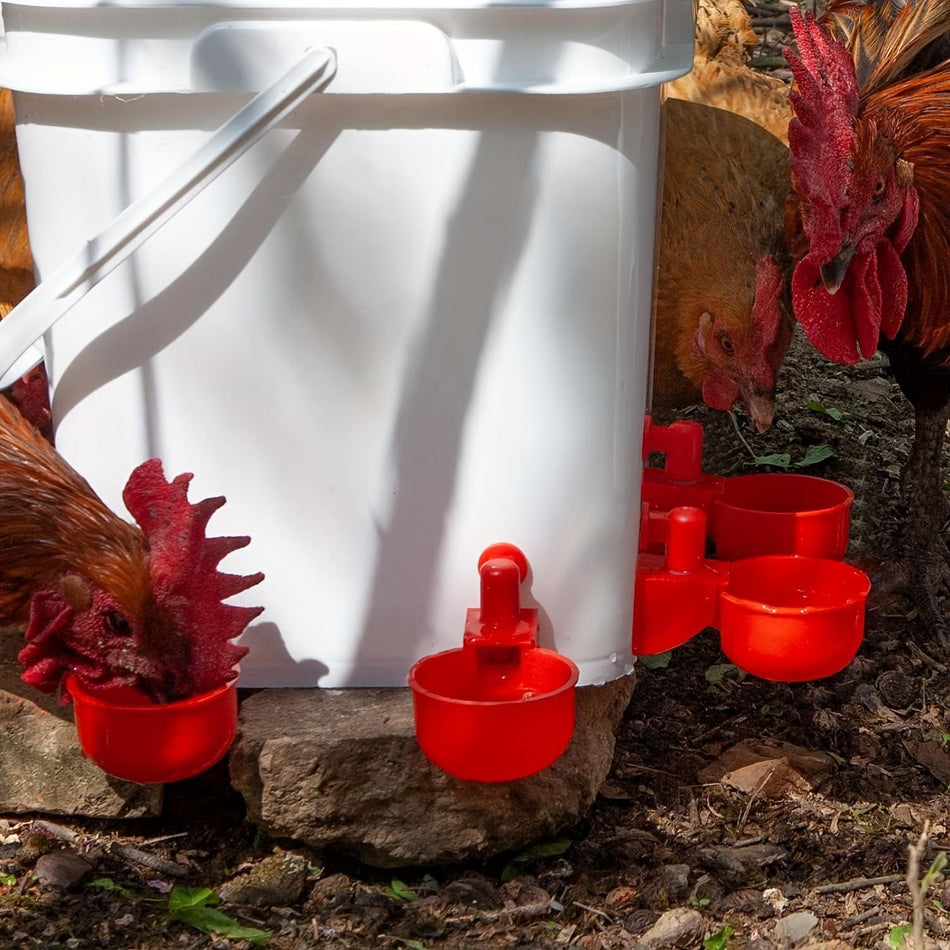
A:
x,y
52,524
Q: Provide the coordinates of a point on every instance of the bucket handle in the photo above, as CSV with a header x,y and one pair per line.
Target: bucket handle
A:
x,y
53,297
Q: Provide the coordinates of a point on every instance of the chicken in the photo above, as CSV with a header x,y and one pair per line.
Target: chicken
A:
x,y
112,603
870,209
722,75
31,393
721,326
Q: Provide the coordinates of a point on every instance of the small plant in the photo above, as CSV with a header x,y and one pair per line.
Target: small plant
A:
x,y
544,849
401,891
828,411
897,936
720,940
7,880
658,661
195,906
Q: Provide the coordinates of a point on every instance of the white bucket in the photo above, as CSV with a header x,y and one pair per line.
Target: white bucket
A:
x,y
410,321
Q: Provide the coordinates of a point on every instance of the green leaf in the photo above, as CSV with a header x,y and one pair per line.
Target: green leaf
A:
x,y
814,455
543,849
107,884
184,897
718,672
401,891
829,411
7,880
719,941
934,871
779,460
658,661
898,935
209,920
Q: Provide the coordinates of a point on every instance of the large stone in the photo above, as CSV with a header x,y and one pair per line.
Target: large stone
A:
x,y
41,764
342,769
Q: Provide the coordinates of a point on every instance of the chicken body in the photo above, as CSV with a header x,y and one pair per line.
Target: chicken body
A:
x,y
721,327
872,198
112,603
722,75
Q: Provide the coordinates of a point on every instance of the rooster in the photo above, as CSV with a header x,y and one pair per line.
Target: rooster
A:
x,y
721,324
870,214
114,604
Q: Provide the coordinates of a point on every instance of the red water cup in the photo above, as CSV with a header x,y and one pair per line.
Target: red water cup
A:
x,y
792,618
499,708
775,513
132,738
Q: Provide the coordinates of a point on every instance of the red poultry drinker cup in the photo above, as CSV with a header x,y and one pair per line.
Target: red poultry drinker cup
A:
x,y
501,707
381,277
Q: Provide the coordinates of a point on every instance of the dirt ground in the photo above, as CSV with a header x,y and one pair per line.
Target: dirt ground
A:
x,y
811,846
854,766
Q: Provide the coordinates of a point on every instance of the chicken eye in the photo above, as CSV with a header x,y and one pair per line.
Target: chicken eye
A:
x,y
879,187
725,341
118,624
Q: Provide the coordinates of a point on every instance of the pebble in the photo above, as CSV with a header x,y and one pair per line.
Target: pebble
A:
x,y
61,870
677,926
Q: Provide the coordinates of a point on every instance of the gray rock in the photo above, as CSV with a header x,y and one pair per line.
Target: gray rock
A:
x,y
794,928
62,870
278,880
342,769
667,885
674,927
41,763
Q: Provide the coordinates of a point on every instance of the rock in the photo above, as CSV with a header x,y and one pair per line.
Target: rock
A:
x,y
41,763
278,880
794,928
680,925
739,867
342,769
61,870
897,689
666,886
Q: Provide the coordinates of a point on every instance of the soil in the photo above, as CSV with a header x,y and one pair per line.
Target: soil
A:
x,y
811,846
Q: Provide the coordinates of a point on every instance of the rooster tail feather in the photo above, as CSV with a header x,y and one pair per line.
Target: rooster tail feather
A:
x,y
916,27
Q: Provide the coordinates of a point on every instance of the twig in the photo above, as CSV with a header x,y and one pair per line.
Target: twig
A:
x,y
155,863
927,658
180,834
914,852
735,425
594,910
873,914
858,884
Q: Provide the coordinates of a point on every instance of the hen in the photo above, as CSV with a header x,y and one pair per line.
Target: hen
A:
x,y
871,205
722,75
31,393
112,603
721,326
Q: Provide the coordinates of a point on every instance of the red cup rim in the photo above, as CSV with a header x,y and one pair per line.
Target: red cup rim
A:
x,y
91,699
847,494
811,610
570,683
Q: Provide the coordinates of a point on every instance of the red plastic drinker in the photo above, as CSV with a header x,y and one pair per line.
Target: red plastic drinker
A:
x,y
132,738
775,513
500,708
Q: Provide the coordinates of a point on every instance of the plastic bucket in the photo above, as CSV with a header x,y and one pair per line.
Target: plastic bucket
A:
x,y
792,618
389,333
774,513
132,738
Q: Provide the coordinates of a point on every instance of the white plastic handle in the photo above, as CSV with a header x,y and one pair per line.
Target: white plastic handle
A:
x,y
72,280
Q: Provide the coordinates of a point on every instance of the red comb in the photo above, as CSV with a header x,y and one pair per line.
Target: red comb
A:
x,y
183,564
825,101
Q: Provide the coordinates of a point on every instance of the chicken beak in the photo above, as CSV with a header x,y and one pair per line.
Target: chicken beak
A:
x,y
761,410
833,272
